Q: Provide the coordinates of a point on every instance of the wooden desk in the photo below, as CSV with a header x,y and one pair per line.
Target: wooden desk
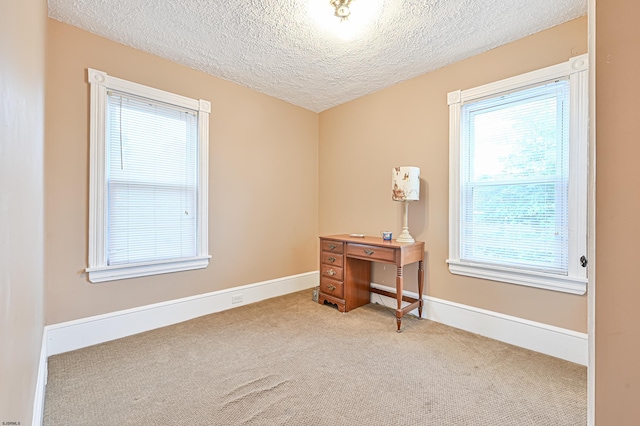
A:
x,y
345,271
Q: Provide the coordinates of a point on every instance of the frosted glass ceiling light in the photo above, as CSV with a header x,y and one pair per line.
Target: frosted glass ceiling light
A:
x,y
342,8
363,19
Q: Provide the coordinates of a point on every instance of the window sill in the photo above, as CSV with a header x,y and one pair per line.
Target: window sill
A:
x,y
133,270
565,284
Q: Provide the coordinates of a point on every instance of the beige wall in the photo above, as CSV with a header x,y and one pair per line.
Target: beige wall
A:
x,y
263,199
22,46
617,335
407,124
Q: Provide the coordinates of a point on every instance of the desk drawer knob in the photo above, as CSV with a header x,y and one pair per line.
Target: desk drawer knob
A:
x,y
331,287
331,272
369,252
332,246
331,259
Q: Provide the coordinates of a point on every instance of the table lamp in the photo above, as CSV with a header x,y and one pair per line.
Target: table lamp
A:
x,y
406,187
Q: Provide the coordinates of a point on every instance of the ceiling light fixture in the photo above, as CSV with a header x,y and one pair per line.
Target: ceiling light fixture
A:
x,y
342,8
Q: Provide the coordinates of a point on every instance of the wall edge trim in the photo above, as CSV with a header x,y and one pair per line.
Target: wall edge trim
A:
x,y
41,383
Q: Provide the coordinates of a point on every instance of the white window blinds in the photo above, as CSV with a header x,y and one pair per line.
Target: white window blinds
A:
x,y
514,172
151,180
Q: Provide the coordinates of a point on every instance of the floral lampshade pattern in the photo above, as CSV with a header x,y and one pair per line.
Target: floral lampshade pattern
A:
x,y
406,183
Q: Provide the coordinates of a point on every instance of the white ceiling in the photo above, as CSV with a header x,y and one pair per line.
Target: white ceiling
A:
x,y
296,50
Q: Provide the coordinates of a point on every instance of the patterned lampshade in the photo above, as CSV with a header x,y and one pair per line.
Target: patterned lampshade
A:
x,y
406,183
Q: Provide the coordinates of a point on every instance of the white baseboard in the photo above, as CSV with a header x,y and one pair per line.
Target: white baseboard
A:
x,y
547,339
41,384
72,335
64,337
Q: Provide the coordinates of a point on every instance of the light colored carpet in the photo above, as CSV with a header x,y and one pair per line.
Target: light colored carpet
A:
x,y
289,361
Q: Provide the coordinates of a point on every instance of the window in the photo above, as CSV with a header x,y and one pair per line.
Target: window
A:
x,y
148,186
518,183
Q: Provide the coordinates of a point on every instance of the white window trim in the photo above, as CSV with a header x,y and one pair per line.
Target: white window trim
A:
x,y
98,269
576,69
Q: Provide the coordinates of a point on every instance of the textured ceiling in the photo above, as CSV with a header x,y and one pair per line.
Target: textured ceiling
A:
x,y
296,50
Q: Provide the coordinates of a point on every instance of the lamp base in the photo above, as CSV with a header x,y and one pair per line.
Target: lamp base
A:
x,y
405,237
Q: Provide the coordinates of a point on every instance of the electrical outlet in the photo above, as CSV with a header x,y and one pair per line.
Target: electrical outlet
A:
x,y
237,298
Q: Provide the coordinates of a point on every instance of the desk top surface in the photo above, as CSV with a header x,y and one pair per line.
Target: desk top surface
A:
x,y
374,241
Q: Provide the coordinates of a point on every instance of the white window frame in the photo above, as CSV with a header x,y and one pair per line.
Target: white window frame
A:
x,y
98,269
576,70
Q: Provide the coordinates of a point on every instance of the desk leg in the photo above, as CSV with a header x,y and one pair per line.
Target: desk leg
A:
x,y
420,286
399,284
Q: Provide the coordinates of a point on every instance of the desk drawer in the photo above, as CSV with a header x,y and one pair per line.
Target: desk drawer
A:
x,y
332,259
331,287
333,246
363,251
330,271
